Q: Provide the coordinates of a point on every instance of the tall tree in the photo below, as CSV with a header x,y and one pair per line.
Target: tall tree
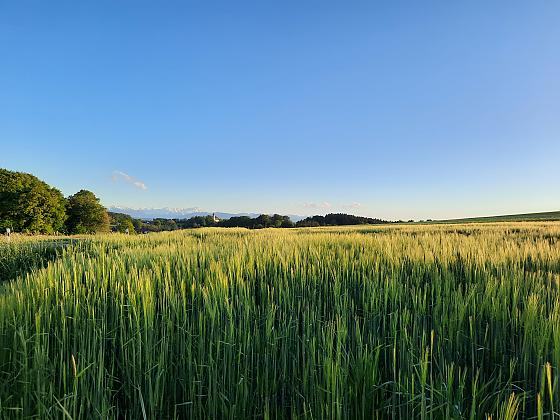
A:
x,y
86,214
121,222
125,226
29,205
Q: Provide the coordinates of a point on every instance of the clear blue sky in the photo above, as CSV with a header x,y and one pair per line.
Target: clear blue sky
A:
x,y
391,109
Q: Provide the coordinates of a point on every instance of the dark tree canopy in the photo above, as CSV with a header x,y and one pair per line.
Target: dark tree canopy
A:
x,y
29,205
195,222
86,214
121,222
260,222
338,219
125,226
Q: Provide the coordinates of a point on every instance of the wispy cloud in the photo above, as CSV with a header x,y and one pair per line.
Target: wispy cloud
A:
x,y
353,205
322,205
325,205
121,176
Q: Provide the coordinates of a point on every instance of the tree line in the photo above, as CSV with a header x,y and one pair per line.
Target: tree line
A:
x,y
260,222
30,205
159,224
338,219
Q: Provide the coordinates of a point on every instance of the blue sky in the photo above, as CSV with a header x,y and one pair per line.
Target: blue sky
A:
x,y
391,109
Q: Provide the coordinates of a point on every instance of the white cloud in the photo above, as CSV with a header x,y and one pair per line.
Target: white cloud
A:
x,y
353,205
323,205
121,176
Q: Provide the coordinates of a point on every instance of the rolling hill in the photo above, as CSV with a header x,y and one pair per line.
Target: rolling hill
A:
x,y
526,217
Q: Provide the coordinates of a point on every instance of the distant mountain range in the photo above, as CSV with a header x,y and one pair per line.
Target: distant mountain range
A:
x,y
182,213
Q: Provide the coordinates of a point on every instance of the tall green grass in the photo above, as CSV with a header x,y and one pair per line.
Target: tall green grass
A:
x,y
385,322
20,255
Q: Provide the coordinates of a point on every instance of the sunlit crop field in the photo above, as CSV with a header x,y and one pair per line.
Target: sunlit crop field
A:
x,y
432,321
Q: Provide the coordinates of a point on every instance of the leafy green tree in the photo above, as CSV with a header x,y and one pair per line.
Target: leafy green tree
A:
x,y
263,221
29,205
287,223
165,224
121,222
125,225
86,214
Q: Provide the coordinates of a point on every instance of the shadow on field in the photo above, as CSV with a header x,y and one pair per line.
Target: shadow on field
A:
x,y
17,259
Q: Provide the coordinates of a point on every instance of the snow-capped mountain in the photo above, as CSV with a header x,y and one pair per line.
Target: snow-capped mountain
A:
x,y
164,212
179,213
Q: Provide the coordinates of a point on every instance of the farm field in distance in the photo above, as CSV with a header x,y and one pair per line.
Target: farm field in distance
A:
x,y
397,321
548,216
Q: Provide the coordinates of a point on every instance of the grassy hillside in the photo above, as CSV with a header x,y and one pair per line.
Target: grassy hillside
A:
x,y
410,321
528,217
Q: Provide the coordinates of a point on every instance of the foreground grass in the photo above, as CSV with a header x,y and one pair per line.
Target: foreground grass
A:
x,y
19,255
369,322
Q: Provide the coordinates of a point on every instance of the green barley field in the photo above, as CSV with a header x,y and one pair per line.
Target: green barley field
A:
x,y
430,321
